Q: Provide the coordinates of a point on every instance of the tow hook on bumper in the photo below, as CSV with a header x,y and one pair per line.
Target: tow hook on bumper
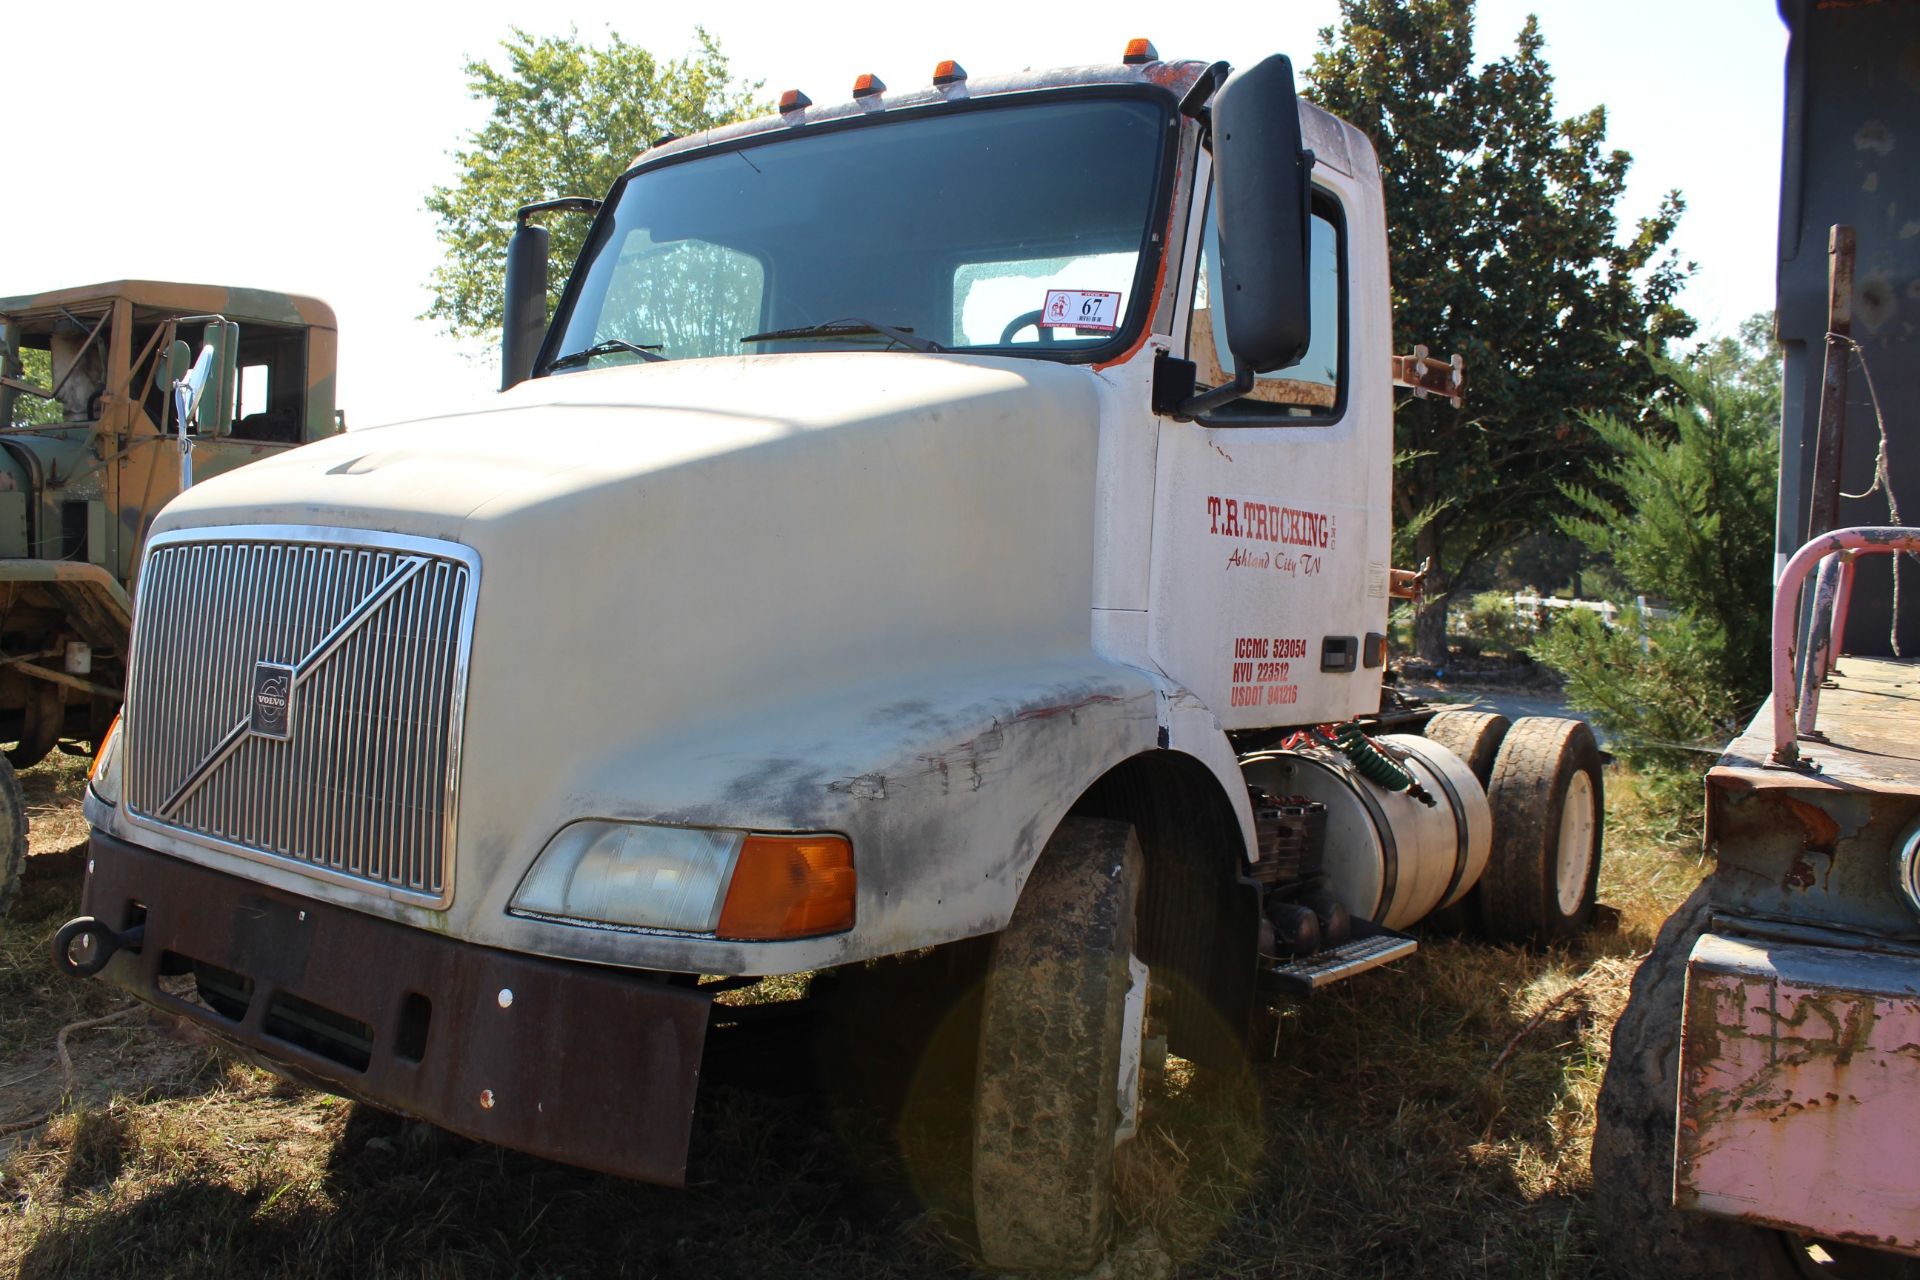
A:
x,y
83,945
585,1064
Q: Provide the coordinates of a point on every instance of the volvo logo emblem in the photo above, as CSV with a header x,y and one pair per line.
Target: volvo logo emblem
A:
x,y
272,711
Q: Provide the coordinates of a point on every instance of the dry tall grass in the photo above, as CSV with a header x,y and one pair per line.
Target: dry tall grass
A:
x,y
1432,1120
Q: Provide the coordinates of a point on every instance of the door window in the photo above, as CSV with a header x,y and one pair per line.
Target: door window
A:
x,y
1313,389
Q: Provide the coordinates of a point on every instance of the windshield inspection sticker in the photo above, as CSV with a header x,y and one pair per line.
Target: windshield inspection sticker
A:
x,y
1081,309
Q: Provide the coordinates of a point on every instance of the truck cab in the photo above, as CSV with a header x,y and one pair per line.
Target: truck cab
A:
x,y
89,453
951,513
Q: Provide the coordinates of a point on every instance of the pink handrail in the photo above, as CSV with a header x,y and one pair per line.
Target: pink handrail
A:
x,y
1787,695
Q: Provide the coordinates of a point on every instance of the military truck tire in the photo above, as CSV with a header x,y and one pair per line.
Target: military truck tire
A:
x,y
1549,809
42,718
13,837
1052,1022
1643,1235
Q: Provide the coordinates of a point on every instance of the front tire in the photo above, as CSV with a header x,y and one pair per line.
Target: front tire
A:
x,y
1053,1021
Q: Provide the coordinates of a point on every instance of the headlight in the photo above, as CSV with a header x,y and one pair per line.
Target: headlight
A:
x,y
623,873
103,779
730,884
1906,864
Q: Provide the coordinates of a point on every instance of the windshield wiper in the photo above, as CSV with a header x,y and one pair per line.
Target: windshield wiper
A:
x,y
605,347
850,325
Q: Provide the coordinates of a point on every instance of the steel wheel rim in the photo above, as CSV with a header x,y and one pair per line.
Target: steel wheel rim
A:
x,y
1573,860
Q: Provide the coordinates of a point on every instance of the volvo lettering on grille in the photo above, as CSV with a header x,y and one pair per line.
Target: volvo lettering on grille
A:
x,y
295,697
272,715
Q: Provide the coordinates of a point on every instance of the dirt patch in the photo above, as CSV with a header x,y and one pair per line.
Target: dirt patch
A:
x,y
1433,1119
115,1048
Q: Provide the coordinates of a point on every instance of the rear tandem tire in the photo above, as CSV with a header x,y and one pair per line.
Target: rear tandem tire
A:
x,y
1474,736
1052,1022
1549,813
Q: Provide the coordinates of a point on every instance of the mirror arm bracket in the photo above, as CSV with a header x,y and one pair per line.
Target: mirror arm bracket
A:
x,y
564,204
1194,104
1207,401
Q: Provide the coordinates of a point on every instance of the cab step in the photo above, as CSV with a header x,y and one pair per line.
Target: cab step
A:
x,y
1371,947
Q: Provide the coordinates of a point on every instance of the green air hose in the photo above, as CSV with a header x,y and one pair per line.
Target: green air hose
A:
x,y
1372,763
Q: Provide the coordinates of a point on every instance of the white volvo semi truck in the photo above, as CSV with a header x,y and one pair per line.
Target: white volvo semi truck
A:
x,y
954,512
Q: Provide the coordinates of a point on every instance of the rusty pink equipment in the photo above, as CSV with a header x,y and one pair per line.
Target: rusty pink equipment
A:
x,y
1761,1108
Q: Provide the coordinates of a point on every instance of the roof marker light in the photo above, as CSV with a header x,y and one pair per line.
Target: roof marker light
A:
x,y
949,72
1139,50
868,85
793,100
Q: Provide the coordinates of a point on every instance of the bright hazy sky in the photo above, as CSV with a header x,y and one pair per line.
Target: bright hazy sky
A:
x,y
289,147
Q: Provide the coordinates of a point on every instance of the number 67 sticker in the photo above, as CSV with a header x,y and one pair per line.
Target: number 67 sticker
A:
x,y
1081,309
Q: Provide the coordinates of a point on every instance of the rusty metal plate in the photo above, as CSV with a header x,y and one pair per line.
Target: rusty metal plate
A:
x,y
592,1066
1867,740
1800,1090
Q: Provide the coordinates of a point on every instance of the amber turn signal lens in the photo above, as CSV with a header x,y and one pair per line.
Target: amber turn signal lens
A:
x,y
789,887
93,770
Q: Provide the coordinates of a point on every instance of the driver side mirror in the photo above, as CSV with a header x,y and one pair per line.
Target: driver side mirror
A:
x,y
523,312
217,371
1262,202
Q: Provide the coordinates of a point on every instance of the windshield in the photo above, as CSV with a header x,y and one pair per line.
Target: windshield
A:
x,y
1015,228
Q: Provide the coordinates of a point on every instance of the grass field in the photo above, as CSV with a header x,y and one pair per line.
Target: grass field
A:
x,y
1430,1120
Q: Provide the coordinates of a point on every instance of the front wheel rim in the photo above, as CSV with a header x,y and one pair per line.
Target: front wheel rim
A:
x,y
1573,859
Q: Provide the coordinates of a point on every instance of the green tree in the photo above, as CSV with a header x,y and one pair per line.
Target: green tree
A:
x,y
35,367
1683,511
1506,248
567,118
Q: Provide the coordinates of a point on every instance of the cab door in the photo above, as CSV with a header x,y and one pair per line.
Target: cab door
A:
x,y
1272,529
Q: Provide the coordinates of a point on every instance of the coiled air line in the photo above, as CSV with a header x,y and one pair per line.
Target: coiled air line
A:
x,y
1370,761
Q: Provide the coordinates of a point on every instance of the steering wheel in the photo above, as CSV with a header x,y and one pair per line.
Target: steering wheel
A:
x,y
1022,321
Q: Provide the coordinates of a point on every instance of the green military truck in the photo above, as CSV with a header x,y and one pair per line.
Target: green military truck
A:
x,y
91,449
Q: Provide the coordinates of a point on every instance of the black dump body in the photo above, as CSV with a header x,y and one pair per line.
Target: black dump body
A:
x,y
1852,158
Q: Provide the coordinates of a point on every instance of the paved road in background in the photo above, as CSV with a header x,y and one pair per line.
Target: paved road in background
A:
x,y
1511,703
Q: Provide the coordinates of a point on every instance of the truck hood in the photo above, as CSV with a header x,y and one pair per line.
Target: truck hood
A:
x,y
689,572
454,476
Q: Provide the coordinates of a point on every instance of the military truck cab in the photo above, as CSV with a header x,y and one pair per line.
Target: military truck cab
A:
x,y
90,452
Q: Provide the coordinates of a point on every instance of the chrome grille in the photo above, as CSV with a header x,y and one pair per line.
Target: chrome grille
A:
x,y
375,630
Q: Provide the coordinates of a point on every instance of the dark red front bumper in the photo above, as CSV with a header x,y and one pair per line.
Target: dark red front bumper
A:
x,y
588,1065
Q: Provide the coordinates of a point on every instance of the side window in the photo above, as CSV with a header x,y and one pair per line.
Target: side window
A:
x,y
689,298
270,392
256,389
1309,390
